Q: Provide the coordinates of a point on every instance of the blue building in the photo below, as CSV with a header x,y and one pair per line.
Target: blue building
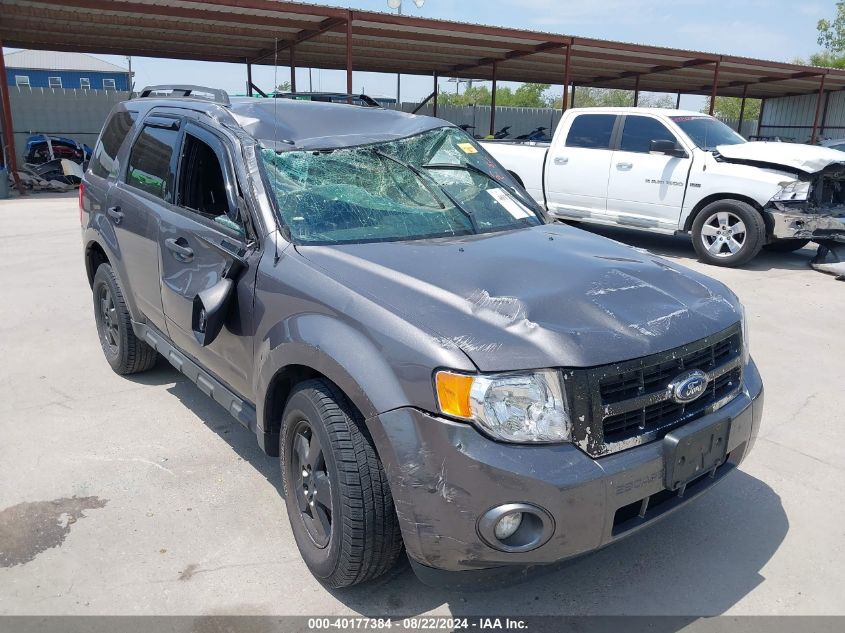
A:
x,y
51,69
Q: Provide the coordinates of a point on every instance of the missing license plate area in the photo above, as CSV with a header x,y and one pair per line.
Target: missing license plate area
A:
x,y
693,451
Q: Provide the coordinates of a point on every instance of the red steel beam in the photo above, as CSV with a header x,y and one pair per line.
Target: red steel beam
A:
x,y
8,126
436,91
493,101
303,36
814,135
636,91
715,88
566,78
349,52
293,69
742,108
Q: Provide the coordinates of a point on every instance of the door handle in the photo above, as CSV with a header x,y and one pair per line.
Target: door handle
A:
x,y
179,249
561,160
115,214
624,166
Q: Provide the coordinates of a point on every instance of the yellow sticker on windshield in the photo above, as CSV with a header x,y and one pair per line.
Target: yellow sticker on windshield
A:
x,y
468,148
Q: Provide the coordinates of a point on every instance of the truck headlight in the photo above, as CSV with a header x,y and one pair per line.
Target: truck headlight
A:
x,y
792,190
514,407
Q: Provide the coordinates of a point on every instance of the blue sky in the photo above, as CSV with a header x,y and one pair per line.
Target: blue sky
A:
x,y
774,29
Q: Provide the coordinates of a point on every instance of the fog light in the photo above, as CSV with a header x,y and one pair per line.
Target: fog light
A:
x,y
507,525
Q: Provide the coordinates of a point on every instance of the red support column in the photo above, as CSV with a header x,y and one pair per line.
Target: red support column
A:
x,y
8,127
814,135
715,88
565,102
248,78
636,91
493,102
349,52
436,91
742,109
292,68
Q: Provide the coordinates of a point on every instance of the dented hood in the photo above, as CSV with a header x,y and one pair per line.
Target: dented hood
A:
x,y
548,296
793,157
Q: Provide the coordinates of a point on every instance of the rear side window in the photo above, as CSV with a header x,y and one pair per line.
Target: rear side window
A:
x,y
640,131
103,162
150,166
592,131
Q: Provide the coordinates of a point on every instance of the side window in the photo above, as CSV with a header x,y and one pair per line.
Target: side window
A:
x,y
85,83
103,161
592,131
202,187
640,131
150,167
54,82
108,84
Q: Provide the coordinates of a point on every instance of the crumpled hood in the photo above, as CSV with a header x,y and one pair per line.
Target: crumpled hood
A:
x,y
807,159
542,297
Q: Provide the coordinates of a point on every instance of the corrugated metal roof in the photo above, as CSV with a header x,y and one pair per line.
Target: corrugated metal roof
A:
x,y
56,60
261,31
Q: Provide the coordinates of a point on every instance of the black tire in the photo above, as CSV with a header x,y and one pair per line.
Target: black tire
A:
x,y
786,246
716,234
125,352
354,536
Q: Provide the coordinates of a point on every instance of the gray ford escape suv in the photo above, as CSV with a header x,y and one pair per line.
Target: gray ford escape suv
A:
x,y
439,367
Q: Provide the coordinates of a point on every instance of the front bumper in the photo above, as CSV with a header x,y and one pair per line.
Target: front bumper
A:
x,y
791,223
445,475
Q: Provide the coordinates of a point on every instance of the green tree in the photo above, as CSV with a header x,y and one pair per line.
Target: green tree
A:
x,y
729,107
283,87
832,38
587,97
526,96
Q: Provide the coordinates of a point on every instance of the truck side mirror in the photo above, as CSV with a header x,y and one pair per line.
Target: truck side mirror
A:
x,y
669,148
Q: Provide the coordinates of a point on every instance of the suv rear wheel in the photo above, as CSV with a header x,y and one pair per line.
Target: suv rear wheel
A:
x,y
336,491
728,233
125,352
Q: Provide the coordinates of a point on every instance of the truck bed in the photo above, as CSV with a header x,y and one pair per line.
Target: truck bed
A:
x,y
525,159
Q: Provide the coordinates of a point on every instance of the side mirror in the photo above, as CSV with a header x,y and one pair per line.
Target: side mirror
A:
x,y
211,306
669,148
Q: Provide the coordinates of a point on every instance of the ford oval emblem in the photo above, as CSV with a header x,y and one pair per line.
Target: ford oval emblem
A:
x,y
689,386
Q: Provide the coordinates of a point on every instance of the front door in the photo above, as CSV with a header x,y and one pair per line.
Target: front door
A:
x,y
644,189
201,237
577,168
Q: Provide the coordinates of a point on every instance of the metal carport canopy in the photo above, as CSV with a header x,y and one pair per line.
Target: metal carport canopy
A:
x,y
245,31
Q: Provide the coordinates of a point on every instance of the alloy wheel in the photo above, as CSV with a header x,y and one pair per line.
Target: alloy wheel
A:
x,y
723,234
108,319
313,487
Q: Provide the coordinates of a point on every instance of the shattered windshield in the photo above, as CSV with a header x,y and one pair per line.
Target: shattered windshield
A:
x,y
438,183
706,132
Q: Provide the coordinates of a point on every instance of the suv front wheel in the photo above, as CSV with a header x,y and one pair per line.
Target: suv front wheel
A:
x,y
336,491
728,233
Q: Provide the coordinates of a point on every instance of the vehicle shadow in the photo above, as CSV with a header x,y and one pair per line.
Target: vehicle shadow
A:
x,y
680,247
699,561
215,417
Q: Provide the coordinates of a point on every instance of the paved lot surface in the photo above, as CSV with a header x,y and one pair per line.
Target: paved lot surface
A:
x,y
141,496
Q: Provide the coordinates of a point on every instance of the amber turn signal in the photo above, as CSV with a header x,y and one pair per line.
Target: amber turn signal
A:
x,y
453,393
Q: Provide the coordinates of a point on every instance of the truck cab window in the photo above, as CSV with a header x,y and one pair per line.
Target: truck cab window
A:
x,y
202,187
640,131
592,131
150,163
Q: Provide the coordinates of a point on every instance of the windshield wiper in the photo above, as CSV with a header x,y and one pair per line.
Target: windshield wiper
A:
x,y
427,181
481,172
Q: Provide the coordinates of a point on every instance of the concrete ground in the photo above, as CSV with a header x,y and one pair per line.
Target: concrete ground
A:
x,y
141,496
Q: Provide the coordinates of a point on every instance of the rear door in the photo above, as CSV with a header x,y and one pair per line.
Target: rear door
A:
x,y
577,168
200,237
133,210
645,189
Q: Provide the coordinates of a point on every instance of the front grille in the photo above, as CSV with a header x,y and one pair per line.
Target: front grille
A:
x,y
630,403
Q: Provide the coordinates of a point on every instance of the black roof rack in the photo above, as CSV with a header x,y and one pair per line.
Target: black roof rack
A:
x,y
329,97
197,92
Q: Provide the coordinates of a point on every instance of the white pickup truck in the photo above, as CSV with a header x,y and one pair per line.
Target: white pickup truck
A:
x,y
674,171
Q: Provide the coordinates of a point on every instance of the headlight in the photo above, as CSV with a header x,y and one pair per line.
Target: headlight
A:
x,y
746,348
792,190
517,407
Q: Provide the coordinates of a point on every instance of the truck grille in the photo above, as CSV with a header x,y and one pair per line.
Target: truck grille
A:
x,y
626,404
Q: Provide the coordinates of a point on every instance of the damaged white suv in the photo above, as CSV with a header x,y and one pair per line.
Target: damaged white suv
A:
x,y
672,171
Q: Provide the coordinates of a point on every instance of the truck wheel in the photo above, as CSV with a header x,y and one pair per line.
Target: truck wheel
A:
x,y
125,352
786,246
336,491
728,233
